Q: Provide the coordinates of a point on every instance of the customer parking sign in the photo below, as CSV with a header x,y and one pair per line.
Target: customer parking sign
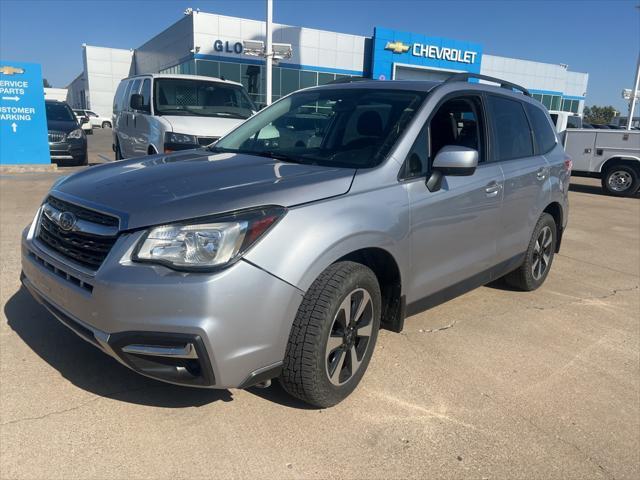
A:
x,y
23,121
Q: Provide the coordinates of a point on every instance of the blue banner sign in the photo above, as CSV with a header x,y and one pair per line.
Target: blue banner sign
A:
x,y
23,120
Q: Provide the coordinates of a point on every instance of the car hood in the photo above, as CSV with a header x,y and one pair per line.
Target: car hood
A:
x,y
195,183
202,126
62,125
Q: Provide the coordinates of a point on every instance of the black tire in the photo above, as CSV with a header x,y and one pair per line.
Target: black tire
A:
x,y
106,124
528,276
118,152
81,161
307,361
89,132
620,180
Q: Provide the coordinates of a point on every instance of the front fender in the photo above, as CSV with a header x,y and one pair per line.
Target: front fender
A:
x,y
313,236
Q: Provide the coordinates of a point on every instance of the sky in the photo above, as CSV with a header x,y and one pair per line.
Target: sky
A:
x,y
601,38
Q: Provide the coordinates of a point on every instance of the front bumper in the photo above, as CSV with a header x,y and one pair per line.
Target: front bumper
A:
x,y
221,330
68,150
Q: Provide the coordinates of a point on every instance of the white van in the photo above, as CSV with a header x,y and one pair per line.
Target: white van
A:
x,y
158,113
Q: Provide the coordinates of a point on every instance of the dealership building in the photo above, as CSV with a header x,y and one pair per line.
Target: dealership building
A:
x,y
214,45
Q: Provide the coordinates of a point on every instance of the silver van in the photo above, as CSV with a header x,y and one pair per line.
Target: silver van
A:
x,y
280,251
161,113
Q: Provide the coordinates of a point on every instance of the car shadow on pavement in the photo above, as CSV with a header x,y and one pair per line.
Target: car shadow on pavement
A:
x,y
594,190
90,369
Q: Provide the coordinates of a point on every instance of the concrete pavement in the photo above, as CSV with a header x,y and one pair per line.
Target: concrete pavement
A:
x,y
494,384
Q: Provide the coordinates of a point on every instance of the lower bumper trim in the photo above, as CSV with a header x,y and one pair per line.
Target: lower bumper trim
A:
x,y
177,358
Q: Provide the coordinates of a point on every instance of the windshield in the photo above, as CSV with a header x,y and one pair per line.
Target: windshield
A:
x,y
59,112
176,96
336,127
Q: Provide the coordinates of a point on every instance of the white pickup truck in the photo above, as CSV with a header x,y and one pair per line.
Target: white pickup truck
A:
x,y
611,155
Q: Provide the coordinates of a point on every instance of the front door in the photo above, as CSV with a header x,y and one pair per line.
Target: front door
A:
x,y
453,229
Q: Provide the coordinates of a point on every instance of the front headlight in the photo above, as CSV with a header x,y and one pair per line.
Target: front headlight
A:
x,y
206,244
173,137
76,134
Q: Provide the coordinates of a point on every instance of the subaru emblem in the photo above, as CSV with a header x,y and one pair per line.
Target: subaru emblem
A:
x,y
67,221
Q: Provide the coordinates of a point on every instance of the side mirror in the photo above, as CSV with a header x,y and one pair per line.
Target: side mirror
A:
x,y
83,120
137,103
453,160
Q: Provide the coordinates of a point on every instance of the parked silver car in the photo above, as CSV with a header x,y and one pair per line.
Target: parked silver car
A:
x,y
282,249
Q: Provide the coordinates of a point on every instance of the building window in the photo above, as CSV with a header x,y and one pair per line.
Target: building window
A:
x,y
230,71
290,80
570,105
284,80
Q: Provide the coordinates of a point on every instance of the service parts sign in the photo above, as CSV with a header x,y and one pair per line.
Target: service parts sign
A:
x,y
23,121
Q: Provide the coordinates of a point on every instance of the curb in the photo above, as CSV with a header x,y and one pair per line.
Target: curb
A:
x,y
46,168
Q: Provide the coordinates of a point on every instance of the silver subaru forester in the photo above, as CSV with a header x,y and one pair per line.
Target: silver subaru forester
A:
x,y
282,249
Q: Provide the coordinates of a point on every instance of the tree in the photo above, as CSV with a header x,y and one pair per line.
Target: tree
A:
x,y
599,115
46,83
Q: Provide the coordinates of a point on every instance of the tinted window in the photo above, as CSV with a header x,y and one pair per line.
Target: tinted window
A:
x,y
176,96
456,122
124,100
510,129
59,112
146,94
135,88
117,98
542,133
574,122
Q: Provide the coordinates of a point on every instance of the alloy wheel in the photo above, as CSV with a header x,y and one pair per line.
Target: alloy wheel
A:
x,y
542,252
349,337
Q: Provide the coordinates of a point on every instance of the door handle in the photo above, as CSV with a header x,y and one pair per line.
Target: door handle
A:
x,y
492,189
541,174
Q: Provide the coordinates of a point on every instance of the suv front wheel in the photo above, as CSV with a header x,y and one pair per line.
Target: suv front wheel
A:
x,y
333,335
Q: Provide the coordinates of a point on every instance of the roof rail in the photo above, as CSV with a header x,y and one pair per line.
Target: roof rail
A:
x,y
463,77
347,80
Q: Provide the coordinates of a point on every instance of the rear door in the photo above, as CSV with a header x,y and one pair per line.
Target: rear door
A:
x,y
453,229
128,132
525,173
140,120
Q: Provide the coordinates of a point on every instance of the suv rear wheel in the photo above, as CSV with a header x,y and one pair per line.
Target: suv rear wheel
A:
x,y
538,258
333,335
620,180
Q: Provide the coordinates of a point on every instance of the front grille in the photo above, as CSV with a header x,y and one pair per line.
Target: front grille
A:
x,y
204,141
86,249
56,137
83,213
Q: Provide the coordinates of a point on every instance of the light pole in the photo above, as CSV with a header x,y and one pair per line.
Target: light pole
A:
x,y
271,52
634,95
268,53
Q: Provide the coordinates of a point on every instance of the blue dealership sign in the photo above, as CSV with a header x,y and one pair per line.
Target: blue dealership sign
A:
x,y
23,121
392,48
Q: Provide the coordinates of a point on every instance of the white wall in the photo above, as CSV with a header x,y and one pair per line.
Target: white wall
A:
x,y
535,75
76,91
166,49
315,48
59,94
104,68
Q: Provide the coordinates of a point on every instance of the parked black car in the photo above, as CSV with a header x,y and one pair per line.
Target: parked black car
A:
x,y
67,141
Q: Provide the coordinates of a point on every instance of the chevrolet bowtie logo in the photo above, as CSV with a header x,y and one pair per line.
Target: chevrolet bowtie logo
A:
x,y
397,47
7,70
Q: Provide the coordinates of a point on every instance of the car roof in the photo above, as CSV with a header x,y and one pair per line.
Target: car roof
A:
x,y
183,76
426,86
